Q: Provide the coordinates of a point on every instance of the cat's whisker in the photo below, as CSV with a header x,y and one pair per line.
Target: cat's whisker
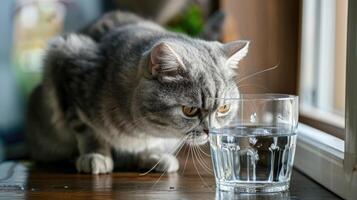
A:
x,y
179,148
199,157
203,160
205,169
200,162
199,154
188,154
179,145
257,73
203,181
183,152
206,154
206,147
159,177
255,85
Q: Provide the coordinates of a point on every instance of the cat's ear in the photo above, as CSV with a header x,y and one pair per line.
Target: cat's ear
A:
x,y
235,51
165,63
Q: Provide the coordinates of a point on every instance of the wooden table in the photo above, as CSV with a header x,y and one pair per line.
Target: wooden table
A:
x,y
26,180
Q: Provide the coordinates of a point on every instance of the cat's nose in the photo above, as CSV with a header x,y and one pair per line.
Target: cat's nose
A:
x,y
205,130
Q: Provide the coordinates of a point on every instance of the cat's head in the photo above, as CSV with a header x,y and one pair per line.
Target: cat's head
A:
x,y
179,77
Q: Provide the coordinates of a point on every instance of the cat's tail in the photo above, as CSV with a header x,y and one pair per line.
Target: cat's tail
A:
x,y
66,59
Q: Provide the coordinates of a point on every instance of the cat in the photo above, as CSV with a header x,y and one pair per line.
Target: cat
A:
x,y
132,88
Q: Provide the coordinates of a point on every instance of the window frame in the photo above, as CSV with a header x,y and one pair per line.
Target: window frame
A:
x,y
325,121
327,159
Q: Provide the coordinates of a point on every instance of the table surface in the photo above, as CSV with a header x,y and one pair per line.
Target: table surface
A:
x,y
26,180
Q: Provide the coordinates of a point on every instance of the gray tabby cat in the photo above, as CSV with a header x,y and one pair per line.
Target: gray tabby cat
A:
x,y
128,86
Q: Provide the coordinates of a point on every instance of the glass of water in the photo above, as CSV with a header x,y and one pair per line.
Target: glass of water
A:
x,y
252,141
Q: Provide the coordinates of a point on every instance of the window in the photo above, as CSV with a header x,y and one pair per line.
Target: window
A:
x,y
323,65
327,145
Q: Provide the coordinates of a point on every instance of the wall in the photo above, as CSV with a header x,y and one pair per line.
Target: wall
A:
x,y
272,26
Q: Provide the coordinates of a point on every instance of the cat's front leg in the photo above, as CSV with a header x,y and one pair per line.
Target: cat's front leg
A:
x,y
159,161
95,155
94,163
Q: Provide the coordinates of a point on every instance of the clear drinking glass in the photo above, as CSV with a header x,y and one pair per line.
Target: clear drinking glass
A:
x,y
253,142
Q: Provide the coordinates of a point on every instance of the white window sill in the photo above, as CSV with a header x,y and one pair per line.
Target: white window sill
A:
x,y
320,156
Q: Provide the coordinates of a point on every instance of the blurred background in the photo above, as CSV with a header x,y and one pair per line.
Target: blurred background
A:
x,y
299,46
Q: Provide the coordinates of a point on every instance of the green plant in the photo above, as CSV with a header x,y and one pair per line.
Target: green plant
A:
x,y
190,22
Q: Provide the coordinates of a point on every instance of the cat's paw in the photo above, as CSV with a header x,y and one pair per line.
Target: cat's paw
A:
x,y
163,162
94,163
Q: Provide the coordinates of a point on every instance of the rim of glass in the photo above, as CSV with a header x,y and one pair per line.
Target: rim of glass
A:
x,y
260,96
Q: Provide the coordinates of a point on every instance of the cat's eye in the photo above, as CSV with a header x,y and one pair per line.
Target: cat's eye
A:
x,y
223,109
190,111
